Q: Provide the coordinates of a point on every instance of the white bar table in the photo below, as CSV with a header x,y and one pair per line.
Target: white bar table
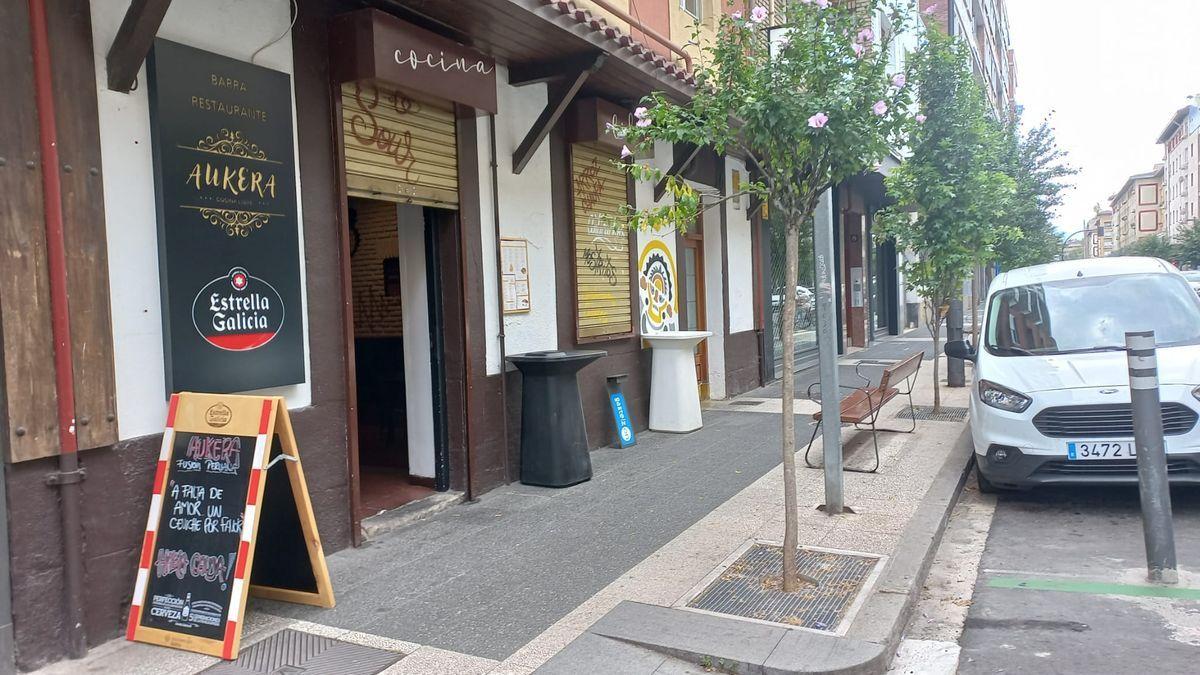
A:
x,y
674,391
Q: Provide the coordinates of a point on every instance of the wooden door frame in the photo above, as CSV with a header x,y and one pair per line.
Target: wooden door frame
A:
x,y
696,242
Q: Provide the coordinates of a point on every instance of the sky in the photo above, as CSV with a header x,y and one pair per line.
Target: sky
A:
x,y
1111,73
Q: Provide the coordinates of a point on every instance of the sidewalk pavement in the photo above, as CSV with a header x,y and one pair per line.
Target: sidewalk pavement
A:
x,y
505,584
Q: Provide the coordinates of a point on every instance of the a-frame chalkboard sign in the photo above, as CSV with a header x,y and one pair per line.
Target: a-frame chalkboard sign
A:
x,y
229,480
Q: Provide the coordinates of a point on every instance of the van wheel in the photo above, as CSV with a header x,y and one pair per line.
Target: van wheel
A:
x,y
985,486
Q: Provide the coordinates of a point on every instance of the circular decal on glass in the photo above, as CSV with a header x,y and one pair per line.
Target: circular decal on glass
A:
x,y
238,312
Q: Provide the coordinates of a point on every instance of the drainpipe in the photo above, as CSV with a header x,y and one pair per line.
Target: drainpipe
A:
x,y
69,472
499,287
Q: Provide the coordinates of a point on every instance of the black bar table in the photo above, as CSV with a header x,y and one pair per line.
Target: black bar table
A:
x,y
554,445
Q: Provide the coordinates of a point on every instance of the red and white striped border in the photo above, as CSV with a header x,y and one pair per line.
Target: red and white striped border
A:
x,y
160,479
261,446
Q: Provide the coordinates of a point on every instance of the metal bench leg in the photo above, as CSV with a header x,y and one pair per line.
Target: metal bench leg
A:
x,y
810,444
875,443
912,414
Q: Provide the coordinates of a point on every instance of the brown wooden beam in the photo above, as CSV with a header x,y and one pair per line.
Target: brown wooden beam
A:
x,y
679,166
133,41
555,107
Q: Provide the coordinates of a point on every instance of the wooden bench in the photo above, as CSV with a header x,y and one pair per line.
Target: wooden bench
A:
x,y
863,404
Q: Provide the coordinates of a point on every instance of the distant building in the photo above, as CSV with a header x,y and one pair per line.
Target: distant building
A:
x,y
1179,179
983,26
1138,207
1098,238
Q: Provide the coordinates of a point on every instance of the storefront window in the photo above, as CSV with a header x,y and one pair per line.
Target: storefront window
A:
x,y
805,326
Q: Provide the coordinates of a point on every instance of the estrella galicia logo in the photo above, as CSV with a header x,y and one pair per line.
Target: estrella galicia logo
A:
x,y
238,312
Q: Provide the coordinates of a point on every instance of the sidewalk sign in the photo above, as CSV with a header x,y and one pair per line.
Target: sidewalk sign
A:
x,y
620,411
220,490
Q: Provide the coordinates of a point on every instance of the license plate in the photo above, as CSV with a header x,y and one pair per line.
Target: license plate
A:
x,y
1081,450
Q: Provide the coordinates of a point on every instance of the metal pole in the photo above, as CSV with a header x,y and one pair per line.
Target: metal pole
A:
x,y
69,471
831,437
1155,491
956,369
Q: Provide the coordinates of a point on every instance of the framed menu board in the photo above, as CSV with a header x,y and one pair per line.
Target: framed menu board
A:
x,y
514,273
209,508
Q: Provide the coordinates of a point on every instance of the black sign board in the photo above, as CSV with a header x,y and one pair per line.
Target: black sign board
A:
x,y
228,227
200,525
228,480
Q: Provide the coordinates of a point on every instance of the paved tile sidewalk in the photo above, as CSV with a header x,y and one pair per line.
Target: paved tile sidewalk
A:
x,y
502,585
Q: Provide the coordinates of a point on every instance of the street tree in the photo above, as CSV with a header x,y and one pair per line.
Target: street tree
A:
x,y
952,195
1187,249
809,107
1039,167
1156,246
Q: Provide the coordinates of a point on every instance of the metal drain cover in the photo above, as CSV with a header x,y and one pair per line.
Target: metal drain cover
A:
x,y
750,587
292,651
925,412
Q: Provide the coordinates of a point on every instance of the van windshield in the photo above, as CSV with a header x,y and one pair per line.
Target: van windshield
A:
x,y
1091,314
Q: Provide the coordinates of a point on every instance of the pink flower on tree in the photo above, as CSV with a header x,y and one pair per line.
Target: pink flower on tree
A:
x,y
858,49
823,4
626,152
758,14
866,35
642,115
920,118
736,16
930,9
818,121
899,80
880,108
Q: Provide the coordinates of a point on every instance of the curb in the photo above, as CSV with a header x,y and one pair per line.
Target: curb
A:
x,y
646,637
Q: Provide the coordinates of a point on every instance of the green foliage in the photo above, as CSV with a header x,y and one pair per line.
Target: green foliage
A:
x,y
1156,246
953,194
1039,168
1187,249
767,108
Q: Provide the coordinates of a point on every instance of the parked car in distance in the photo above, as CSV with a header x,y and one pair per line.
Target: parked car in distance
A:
x,y
1051,403
1193,278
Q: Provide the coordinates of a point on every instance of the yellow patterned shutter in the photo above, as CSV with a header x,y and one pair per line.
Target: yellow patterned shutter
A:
x,y
602,257
398,147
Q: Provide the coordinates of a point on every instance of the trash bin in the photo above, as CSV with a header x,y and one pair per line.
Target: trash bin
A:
x,y
554,445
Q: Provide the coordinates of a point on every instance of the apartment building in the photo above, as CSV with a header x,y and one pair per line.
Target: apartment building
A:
x,y
1180,166
983,26
1138,208
1098,237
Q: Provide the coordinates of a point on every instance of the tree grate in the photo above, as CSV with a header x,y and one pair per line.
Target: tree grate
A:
x,y
293,651
751,588
925,412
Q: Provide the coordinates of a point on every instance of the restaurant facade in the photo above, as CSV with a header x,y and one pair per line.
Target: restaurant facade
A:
x,y
364,207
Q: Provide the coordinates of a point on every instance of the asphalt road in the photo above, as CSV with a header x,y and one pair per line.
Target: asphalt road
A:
x,y
1062,588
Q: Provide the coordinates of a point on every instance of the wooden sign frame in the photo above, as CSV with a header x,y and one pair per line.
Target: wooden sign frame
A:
x,y
266,419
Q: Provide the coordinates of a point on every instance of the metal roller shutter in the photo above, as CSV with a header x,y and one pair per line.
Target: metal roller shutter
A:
x,y
602,255
398,147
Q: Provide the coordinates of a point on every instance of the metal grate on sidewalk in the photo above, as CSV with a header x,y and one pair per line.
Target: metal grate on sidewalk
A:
x,y
750,587
293,651
925,412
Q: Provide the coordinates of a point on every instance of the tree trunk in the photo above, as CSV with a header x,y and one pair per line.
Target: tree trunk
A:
x,y
791,582
935,332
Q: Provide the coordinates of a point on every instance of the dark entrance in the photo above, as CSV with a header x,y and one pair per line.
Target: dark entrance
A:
x,y
398,351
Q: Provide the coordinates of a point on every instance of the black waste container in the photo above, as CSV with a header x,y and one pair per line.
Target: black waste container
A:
x,y
554,445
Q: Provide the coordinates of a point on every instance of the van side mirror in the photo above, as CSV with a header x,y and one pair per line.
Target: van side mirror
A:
x,y
960,349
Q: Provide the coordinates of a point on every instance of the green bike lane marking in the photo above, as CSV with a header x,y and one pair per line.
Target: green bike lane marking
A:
x,y
1095,588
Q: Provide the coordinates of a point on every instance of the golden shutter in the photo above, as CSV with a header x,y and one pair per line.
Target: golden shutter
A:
x,y
602,257
398,148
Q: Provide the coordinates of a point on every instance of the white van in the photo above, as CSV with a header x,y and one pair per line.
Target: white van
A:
x,y
1051,402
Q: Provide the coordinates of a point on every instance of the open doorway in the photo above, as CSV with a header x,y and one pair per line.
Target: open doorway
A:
x,y
397,368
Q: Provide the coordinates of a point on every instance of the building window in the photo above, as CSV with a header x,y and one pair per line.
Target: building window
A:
x,y
691,7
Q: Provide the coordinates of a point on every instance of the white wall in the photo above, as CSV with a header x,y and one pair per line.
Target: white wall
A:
x,y
525,212
418,368
235,28
741,255
714,301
